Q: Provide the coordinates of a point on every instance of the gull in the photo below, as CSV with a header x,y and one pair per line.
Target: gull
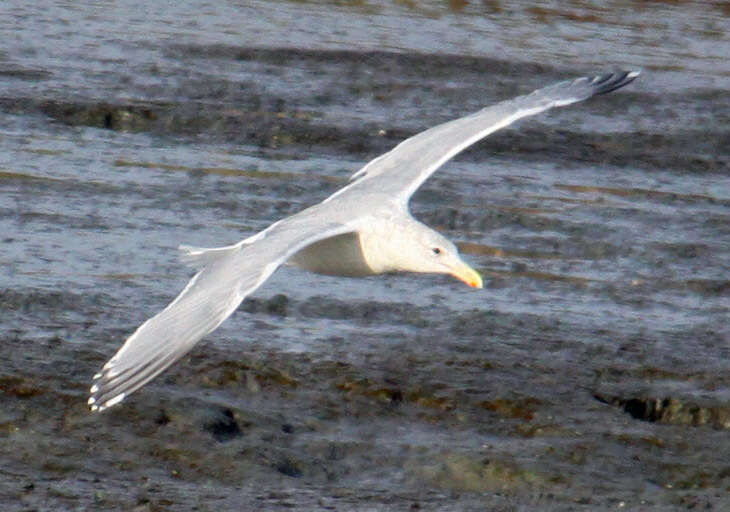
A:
x,y
365,228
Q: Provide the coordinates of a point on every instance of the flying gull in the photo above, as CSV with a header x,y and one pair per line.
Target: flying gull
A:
x,y
365,228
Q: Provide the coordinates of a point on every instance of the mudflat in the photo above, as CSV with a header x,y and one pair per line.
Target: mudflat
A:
x,y
591,373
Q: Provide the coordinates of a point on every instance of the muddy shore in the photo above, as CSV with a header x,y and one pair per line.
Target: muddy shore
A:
x,y
591,373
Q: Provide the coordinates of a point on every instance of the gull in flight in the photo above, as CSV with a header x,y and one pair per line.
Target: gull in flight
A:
x,y
365,228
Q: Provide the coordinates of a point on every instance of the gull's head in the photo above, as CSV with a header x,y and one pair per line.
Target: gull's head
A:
x,y
417,248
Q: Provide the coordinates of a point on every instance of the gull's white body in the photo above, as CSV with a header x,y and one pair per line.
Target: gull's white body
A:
x,y
364,228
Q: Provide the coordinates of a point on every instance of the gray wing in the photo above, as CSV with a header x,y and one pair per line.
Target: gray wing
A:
x,y
401,171
227,275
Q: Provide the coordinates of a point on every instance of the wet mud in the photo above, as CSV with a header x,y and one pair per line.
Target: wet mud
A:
x,y
298,119
590,374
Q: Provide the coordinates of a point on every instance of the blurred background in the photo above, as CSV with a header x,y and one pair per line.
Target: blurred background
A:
x,y
591,372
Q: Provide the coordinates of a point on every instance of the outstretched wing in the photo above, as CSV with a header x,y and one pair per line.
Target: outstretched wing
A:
x,y
402,170
227,276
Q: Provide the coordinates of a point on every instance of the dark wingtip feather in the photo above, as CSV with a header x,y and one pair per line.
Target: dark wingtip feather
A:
x,y
608,82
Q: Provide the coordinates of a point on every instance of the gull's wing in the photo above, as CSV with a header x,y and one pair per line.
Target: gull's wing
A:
x,y
227,275
402,170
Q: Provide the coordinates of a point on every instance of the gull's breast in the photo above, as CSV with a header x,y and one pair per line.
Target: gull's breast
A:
x,y
340,255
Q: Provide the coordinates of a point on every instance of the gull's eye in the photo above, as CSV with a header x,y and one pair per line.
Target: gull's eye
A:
x,y
436,250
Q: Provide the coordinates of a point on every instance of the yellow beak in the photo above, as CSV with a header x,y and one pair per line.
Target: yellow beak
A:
x,y
465,273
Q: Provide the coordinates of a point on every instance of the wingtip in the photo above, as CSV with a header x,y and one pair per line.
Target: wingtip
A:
x,y
609,82
99,397
91,402
95,406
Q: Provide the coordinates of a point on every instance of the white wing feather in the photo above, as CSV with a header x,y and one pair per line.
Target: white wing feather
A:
x,y
402,170
227,276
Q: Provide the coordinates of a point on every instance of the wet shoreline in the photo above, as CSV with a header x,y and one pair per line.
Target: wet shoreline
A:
x,y
590,374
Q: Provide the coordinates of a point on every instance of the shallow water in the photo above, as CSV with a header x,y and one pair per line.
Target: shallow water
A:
x,y
589,374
